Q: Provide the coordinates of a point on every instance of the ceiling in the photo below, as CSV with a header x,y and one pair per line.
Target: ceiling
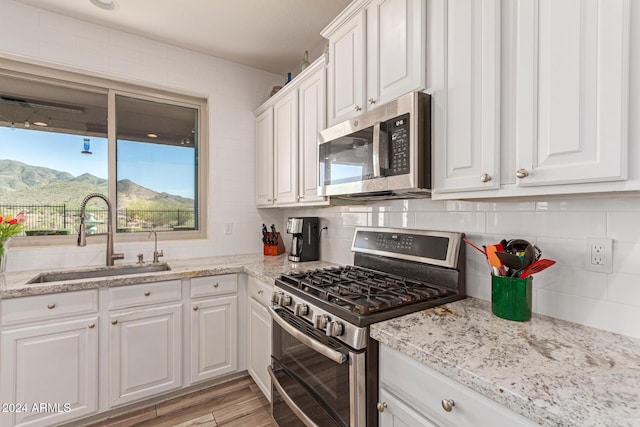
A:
x,y
270,35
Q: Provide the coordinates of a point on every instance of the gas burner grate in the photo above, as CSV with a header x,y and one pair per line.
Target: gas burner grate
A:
x,y
361,290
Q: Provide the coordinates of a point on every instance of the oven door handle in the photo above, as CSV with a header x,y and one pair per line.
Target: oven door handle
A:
x,y
289,401
334,355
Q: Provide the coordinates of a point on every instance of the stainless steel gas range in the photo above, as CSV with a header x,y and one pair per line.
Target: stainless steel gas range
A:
x,y
324,365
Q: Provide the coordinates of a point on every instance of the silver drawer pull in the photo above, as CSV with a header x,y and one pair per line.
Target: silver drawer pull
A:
x,y
448,404
485,177
147,293
381,406
51,306
92,325
195,308
215,285
522,173
114,322
260,292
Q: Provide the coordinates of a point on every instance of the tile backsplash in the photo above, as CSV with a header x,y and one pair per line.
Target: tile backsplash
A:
x,y
559,227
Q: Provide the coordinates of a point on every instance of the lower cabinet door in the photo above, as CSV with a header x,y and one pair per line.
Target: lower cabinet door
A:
x,y
395,413
146,353
214,337
260,346
49,373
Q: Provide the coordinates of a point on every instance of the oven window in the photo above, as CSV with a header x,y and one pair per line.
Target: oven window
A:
x,y
347,159
323,381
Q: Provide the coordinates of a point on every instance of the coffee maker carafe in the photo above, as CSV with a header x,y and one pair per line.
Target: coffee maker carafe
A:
x,y
305,244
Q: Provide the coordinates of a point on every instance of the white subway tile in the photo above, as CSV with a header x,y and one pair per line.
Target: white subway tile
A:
x,y
626,257
467,222
624,226
557,224
624,289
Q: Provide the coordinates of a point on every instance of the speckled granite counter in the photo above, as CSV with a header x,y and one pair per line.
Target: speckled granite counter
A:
x,y
265,268
553,372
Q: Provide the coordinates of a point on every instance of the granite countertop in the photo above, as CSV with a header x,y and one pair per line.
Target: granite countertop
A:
x,y
553,372
265,268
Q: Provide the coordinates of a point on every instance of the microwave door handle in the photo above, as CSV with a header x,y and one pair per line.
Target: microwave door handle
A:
x,y
328,352
376,150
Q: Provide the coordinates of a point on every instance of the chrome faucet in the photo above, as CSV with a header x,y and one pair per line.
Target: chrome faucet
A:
x,y
82,237
156,254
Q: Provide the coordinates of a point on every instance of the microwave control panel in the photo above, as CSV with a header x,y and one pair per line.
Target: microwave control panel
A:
x,y
398,137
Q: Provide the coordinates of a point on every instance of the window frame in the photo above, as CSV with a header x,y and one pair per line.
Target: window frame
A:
x,y
112,88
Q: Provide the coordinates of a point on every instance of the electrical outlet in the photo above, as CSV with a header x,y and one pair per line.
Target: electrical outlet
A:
x,y
228,228
599,255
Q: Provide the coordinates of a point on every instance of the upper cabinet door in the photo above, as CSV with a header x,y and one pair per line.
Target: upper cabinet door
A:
x,y
572,70
396,35
264,158
346,69
466,95
312,96
285,134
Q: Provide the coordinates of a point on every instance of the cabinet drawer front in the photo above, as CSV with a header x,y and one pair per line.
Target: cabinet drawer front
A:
x,y
214,285
144,294
260,291
424,389
50,306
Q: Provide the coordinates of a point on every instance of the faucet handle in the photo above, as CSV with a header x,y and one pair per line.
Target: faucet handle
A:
x,y
140,258
117,256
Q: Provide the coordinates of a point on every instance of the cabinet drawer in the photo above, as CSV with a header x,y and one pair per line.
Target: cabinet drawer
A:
x,y
144,294
214,285
50,306
424,390
260,291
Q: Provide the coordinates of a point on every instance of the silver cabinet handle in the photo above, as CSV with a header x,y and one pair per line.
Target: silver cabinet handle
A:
x,y
522,173
215,285
51,306
269,200
381,406
147,293
260,292
372,101
485,177
114,322
448,404
195,308
357,108
92,325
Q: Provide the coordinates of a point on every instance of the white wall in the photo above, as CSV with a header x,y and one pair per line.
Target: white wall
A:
x,y
233,92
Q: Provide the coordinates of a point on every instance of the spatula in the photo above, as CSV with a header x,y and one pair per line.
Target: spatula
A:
x,y
537,267
510,260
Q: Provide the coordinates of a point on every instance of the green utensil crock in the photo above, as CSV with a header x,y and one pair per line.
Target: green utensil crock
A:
x,y
511,297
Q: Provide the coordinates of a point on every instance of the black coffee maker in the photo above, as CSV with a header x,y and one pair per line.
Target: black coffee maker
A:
x,y
305,245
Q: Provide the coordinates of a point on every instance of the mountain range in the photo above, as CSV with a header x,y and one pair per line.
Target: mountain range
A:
x,y
25,184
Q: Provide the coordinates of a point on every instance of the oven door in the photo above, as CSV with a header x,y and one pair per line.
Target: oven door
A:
x,y
316,380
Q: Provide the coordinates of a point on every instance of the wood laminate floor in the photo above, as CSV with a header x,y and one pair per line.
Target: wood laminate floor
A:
x,y
235,403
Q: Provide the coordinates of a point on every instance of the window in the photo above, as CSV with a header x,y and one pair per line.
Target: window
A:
x,y
57,146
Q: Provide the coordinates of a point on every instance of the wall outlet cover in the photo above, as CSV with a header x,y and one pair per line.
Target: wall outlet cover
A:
x,y
599,255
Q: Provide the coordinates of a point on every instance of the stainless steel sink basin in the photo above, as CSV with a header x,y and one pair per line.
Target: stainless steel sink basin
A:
x,y
101,272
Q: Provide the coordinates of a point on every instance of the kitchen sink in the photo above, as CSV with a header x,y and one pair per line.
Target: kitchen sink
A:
x,y
102,272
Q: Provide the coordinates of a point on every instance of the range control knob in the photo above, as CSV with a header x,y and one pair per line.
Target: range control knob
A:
x,y
275,297
284,300
301,309
320,321
334,329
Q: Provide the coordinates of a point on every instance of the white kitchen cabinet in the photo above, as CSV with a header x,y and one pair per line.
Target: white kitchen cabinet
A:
x,y
49,365
145,351
376,54
413,394
264,158
285,140
214,332
466,99
287,128
259,335
311,120
572,102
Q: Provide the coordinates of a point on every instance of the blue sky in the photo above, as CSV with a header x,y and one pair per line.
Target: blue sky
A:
x,y
157,167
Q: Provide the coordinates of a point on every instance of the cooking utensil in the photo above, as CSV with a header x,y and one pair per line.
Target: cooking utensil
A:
x,y
537,267
482,251
512,261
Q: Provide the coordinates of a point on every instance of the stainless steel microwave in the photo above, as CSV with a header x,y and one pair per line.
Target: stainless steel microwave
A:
x,y
383,153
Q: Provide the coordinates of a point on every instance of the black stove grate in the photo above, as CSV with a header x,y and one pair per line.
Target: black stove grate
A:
x,y
362,291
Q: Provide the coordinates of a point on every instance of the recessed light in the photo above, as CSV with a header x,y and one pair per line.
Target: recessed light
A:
x,y
104,4
152,135
40,124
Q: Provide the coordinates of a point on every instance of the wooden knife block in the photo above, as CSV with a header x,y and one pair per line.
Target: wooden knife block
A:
x,y
274,250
